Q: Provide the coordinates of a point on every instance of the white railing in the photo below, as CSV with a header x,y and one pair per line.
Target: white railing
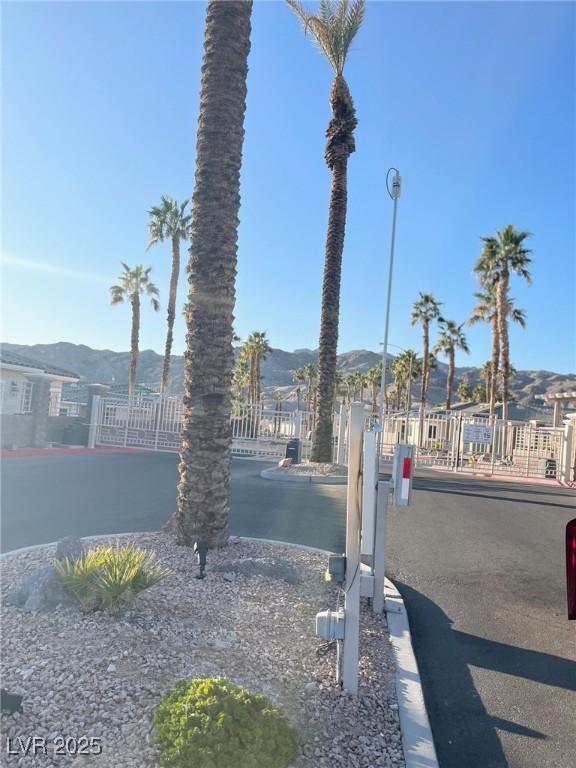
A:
x,y
155,422
514,448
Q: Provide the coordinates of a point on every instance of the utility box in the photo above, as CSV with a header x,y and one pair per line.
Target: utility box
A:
x,y
330,624
402,472
293,450
336,570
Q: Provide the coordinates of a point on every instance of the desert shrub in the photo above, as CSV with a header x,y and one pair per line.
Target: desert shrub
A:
x,y
210,723
110,577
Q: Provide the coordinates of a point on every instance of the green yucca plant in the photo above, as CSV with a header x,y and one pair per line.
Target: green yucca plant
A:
x,y
109,576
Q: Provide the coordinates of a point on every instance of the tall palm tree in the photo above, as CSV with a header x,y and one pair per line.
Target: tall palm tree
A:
x,y
169,220
410,369
338,381
241,379
486,311
299,377
451,338
486,371
309,376
333,29
134,283
464,390
358,390
256,349
424,311
373,378
350,381
204,487
503,255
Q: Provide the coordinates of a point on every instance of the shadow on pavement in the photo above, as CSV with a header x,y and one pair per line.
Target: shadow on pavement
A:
x,y
459,488
465,733
520,662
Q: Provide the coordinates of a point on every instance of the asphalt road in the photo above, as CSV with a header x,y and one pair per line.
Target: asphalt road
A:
x,y
48,497
479,562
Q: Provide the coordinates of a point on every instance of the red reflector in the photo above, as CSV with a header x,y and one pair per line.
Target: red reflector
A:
x,y
571,568
407,469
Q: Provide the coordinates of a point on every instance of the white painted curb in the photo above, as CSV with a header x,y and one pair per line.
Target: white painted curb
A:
x,y
276,473
417,740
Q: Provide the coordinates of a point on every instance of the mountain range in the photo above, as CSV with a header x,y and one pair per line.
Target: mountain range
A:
x,y
107,367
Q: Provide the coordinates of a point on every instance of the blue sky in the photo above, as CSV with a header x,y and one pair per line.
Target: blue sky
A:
x,y
472,101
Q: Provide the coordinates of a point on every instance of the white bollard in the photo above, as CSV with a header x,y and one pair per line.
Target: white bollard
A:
x,y
380,546
370,481
353,528
342,424
94,419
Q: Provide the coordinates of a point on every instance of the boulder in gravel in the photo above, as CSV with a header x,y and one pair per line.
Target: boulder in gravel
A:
x,y
271,567
69,548
41,591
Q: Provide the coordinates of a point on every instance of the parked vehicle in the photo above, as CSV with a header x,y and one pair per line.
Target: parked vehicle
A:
x,y
571,568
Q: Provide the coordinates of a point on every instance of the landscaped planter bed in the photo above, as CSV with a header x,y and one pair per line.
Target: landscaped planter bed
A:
x,y
101,676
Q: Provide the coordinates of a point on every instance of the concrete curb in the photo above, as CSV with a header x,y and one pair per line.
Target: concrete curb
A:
x,y
276,473
417,740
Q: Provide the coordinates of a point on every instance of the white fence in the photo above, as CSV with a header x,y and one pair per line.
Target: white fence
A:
x,y
452,441
152,422
478,444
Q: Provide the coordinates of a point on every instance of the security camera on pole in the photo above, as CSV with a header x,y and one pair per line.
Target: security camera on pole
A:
x,y
394,194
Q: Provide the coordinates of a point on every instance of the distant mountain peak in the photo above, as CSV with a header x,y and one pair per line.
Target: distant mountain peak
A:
x,y
105,366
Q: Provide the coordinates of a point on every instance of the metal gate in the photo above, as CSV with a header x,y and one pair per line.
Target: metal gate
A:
x,y
478,444
152,422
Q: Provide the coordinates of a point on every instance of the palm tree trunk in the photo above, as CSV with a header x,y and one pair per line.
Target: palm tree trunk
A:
x,y
203,490
425,363
135,301
339,146
502,298
450,379
495,362
297,398
257,389
171,313
322,436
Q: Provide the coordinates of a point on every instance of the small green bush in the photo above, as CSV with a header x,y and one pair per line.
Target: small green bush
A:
x,y
210,723
110,577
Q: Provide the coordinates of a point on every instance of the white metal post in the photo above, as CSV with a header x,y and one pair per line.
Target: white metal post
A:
x,y
342,424
395,194
566,452
370,481
494,443
158,416
128,408
529,451
94,419
298,425
380,546
353,532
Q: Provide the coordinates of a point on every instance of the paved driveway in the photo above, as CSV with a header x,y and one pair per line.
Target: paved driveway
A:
x,y
48,497
479,562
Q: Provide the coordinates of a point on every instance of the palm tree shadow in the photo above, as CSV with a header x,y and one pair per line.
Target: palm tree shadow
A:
x,y
464,733
480,491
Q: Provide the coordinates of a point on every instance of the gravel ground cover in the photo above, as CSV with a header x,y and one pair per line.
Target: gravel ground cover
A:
x,y
316,469
95,675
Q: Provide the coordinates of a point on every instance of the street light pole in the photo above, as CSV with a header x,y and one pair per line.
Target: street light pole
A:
x,y
394,194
